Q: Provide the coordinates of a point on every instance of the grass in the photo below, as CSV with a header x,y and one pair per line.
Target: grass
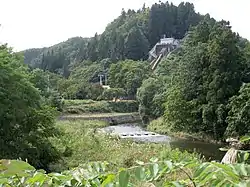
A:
x,y
90,106
98,115
80,144
78,102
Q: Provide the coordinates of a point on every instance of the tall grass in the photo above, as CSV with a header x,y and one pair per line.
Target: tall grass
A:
x,y
80,143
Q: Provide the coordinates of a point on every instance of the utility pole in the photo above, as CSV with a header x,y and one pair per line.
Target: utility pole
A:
x,y
105,77
100,76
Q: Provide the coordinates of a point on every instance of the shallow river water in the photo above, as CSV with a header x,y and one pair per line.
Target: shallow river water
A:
x,y
133,131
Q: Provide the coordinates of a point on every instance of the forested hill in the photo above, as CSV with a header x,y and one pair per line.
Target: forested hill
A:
x,y
56,57
130,36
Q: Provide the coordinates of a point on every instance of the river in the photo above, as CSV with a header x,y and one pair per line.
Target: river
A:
x,y
134,131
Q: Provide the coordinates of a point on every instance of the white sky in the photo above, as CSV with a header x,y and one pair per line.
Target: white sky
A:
x,y
40,23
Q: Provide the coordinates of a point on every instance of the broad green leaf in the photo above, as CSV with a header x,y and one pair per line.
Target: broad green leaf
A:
x,y
38,177
226,169
215,182
191,164
204,179
201,170
243,170
140,173
73,182
223,182
16,167
107,182
169,164
154,169
246,156
123,178
245,138
177,184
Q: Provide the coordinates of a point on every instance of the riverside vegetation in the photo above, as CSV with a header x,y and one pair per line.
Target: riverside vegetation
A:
x,y
202,88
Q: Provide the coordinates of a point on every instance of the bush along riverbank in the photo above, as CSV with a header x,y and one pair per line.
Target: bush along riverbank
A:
x,y
161,127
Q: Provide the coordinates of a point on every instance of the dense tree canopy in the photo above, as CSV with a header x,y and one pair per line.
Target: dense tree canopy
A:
x,y
239,113
128,75
205,75
200,87
130,36
150,102
26,122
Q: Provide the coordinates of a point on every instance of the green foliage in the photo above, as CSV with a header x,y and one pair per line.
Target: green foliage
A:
x,y
17,173
209,73
129,36
90,106
58,57
113,93
124,106
159,126
78,102
55,100
177,111
165,18
26,122
239,116
128,75
87,71
136,45
81,143
47,83
151,99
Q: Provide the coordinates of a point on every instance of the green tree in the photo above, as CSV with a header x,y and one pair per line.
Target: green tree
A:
x,y
47,83
209,74
136,45
150,98
128,75
113,93
239,113
130,35
26,123
92,48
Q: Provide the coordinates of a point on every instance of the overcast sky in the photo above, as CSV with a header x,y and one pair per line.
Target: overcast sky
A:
x,y
40,23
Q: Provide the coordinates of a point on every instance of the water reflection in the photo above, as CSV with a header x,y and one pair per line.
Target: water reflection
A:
x,y
133,131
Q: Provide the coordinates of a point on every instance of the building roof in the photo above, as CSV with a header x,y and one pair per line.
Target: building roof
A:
x,y
168,41
164,41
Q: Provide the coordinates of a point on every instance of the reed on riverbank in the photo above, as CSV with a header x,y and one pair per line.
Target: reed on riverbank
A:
x,y
80,143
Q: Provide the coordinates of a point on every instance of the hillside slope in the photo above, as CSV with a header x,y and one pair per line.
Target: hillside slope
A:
x,y
130,36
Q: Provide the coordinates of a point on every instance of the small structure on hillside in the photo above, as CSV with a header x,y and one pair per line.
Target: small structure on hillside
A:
x,y
161,49
165,45
105,86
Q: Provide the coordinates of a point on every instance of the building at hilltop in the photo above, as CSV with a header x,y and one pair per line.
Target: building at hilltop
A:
x,y
161,49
